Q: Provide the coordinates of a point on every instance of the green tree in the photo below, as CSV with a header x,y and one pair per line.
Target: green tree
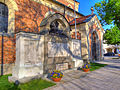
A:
x,y
109,12
112,36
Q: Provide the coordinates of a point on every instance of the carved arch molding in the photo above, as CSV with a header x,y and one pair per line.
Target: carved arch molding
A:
x,y
56,23
12,7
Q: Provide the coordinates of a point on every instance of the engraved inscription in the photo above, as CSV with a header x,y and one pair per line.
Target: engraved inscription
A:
x,y
62,66
32,52
57,49
76,47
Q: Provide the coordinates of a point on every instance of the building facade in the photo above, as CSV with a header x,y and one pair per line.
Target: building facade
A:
x,y
28,25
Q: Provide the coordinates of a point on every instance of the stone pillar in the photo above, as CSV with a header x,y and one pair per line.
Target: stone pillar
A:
x,y
76,53
29,57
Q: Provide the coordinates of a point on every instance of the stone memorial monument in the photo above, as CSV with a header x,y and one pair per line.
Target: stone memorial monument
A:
x,y
39,54
29,56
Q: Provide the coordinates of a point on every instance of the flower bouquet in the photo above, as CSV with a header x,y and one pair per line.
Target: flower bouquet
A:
x,y
86,67
56,75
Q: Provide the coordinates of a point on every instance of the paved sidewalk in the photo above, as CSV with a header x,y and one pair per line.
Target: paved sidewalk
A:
x,y
106,78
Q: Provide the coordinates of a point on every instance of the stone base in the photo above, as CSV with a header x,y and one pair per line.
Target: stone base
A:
x,y
7,68
26,73
78,63
23,80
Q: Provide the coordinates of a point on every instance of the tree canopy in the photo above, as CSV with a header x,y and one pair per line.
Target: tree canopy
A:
x,y
109,12
112,36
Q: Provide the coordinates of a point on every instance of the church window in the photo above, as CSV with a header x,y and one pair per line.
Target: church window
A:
x,y
3,18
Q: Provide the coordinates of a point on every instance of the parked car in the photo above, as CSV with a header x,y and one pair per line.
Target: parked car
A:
x,y
109,54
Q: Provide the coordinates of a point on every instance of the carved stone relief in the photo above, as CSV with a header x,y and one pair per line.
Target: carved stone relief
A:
x,y
57,49
76,47
32,52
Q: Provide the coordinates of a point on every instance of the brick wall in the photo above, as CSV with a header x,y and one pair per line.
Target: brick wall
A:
x,y
30,15
8,49
8,53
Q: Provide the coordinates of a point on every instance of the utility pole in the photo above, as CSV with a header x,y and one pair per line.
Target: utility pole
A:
x,y
75,20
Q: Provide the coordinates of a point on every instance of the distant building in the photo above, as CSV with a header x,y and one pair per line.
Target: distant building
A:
x,y
110,48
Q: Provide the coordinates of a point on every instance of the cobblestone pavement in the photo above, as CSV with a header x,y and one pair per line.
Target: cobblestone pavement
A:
x,y
106,78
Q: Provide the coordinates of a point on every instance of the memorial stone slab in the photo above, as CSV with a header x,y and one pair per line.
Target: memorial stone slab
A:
x,y
62,66
76,51
29,56
57,49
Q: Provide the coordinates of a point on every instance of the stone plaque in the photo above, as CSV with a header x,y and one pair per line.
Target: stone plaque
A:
x,y
57,49
32,52
76,47
62,66
29,57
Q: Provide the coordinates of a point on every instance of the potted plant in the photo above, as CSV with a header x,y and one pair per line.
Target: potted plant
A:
x,y
86,67
56,75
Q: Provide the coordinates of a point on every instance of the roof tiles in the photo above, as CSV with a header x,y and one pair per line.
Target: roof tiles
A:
x,y
81,19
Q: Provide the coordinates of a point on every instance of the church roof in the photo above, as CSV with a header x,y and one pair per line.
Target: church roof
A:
x,y
83,19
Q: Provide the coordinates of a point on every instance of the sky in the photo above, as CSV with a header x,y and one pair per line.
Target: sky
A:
x,y
84,8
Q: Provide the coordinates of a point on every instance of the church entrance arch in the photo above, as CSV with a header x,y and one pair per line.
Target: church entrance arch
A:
x,y
95,46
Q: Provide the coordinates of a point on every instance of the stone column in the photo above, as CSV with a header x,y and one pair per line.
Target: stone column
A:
x,y
76,53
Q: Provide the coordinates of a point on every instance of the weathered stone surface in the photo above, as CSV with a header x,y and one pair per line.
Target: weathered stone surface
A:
x,y
62,66
76,47
76,53
57,49
25,79
7,68
29,55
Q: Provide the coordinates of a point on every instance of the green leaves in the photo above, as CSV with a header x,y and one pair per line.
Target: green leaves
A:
x,y
109,11
112,36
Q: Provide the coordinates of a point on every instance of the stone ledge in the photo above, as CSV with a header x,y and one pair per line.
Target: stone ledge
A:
x,y
7,68
23,80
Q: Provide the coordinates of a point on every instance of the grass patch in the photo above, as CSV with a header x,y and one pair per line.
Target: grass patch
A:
x,y
37,84
94,66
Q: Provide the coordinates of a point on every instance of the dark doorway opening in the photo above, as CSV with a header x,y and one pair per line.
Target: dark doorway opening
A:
x,y
94,46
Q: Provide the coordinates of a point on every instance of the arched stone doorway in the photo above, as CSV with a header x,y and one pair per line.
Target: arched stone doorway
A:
x,y
95,46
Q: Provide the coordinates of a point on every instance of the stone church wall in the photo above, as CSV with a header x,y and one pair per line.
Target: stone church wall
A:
x,y
25,16
70,3
94,26
82,30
